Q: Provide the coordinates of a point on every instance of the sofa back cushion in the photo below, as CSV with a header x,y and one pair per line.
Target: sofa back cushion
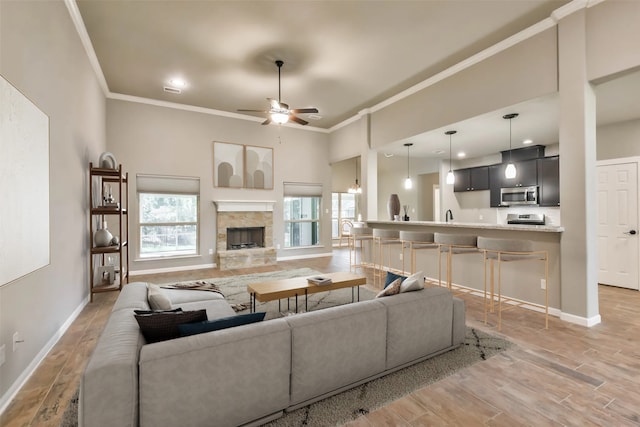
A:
x,y
222,378
335,347
418,323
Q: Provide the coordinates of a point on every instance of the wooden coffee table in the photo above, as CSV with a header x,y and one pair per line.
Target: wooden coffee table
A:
x,y
298,286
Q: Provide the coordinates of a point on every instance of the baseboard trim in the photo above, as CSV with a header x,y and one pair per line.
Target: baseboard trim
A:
x,y
11,393
582,321
171,269
289,258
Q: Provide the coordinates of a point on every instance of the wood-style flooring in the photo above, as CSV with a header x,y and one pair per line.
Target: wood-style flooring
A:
x,y
566,375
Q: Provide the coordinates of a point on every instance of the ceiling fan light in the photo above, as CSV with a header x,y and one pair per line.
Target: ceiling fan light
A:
x,y
510,171
450,177
280,118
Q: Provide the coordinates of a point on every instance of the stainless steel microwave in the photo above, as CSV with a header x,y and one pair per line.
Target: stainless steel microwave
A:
x,y
519,196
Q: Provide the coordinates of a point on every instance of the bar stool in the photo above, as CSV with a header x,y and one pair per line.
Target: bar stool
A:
x,y
358,235
383,238
507,250
453,244
415,241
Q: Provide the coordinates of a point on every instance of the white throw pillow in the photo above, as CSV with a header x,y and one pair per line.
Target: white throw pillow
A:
x,y
158,299
414,282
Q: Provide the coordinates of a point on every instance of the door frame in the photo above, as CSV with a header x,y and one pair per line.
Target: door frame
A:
x,y
619,161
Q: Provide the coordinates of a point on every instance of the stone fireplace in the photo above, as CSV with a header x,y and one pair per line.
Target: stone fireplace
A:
x,y
244,234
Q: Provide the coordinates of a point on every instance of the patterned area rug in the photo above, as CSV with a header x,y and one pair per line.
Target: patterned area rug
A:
x,y
353,403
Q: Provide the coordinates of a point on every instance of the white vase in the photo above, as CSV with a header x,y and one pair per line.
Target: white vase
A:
x,y
102,237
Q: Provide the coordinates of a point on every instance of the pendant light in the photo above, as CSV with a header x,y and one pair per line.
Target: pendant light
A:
x,y
407,182
450,176
355,188
510,170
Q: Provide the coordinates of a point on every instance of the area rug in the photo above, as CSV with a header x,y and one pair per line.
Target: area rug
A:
x,y
351,404
234,289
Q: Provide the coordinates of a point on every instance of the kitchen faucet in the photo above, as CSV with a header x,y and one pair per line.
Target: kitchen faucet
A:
x,y
448,215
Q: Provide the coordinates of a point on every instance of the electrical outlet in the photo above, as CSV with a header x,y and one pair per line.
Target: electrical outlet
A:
x,y
210,251
400,255
3,356
278,246
543,284
481,217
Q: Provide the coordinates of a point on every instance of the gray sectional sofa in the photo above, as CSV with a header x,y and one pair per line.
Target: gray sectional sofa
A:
x,y
250,374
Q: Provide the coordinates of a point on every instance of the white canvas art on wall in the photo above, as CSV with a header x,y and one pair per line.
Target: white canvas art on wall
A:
x,y
24,185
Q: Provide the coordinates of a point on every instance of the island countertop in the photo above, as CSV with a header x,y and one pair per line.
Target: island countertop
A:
x,y
469,225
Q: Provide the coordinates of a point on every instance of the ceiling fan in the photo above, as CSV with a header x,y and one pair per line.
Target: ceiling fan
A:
x,y
279,111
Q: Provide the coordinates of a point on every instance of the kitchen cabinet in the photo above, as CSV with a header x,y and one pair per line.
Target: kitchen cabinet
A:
x,y
549,181
526,174
496,175
471,179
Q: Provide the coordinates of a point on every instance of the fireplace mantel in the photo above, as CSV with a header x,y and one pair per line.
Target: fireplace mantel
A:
x,y
244,205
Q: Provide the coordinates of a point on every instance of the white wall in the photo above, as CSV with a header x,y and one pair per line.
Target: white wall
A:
x,y
618,140
41,55
151,139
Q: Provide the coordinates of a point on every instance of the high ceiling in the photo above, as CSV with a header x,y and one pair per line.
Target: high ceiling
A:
x,y
339,56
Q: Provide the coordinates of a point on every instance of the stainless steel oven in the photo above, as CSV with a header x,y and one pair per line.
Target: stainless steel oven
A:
x,y
519,196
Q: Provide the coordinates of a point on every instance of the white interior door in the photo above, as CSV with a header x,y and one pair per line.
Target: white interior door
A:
x,y
618,225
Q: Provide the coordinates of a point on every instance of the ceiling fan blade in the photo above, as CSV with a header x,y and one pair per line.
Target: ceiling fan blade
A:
x,y
304,110
254,111
266,122
298,120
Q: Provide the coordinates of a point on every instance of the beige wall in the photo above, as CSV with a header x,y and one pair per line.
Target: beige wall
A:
x,y
41,55
166,141
425,196
618,140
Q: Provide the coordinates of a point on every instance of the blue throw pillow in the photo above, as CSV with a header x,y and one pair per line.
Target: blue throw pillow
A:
x,y
391,277
217,324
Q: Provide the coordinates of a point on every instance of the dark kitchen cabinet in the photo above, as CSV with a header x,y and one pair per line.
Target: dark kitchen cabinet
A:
x,y
549,181
496,175
526,174
471,179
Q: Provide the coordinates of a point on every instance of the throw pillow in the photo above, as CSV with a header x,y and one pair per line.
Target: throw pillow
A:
x,y
217,324
158,299
392,289
391,277
414,282
164,326
157,311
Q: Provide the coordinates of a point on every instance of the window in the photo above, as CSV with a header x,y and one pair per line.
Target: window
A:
x,y
167,216
302,207
343,206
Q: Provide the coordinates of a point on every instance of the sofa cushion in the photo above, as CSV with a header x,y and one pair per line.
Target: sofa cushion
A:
x,y
164,325
223,323
415,282
181,296
335,347
392,289
158,299
132,296
227,378
418,324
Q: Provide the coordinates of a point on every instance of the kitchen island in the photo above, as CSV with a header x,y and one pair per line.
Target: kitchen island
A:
x,y
521,280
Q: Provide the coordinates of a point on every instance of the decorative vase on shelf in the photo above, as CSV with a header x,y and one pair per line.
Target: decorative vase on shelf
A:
x,y
393,206
102,237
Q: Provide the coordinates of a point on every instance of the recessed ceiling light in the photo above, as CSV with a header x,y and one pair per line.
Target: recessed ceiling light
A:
x,y
461,154
177,82
527,141
387,155
438,151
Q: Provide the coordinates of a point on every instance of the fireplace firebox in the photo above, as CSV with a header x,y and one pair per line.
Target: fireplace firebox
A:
x,y
245,238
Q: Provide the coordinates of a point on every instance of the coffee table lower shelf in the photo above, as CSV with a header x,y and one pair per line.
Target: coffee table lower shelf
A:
x,y
299,286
